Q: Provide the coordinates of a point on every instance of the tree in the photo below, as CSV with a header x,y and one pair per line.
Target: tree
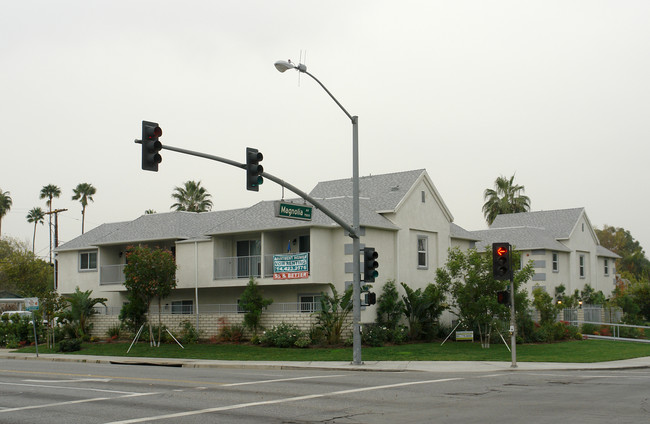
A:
x,y
334,311
633,258
84,192
150,273
506,197
389,306
423,308
5,205
82,307
49,192
35,216
253,303
474,289
192,198
21,272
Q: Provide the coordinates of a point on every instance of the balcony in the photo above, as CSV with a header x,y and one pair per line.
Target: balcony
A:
x,y
245,267
111,274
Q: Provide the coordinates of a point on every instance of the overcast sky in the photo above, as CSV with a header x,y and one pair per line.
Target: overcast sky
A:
x,y
555,92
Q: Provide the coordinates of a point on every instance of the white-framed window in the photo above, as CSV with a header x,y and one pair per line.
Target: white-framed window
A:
x,y
606,267
88,261
556,262
423,254
309,302
581,263
182,307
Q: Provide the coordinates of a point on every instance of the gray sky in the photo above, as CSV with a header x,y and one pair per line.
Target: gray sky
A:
x,y
561,86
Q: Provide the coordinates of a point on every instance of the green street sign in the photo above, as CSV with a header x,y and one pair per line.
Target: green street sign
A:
x,y
293,211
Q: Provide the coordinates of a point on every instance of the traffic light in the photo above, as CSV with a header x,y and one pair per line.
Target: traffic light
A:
x,y
501,266
370,264
151,146
503,297
253,169
371,298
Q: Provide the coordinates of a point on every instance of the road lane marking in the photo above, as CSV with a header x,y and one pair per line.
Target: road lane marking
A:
x,y
85,389
278,401
72,402
74,380
278,380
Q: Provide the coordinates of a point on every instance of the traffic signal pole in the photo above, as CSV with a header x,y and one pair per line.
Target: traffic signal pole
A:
x,y
513,324
273,178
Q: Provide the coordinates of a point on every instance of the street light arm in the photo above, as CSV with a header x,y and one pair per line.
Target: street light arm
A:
x,y
328,92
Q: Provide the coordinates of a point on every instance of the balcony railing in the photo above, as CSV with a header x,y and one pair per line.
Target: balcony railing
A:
x,y
243,267
111,274
222,308
237,267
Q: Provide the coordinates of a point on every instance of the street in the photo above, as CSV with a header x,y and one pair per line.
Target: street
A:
x,y
55,392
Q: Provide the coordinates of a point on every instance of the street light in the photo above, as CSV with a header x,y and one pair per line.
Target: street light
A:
x,y
283,66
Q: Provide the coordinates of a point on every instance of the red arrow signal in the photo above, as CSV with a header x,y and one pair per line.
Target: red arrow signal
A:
x,y
502,251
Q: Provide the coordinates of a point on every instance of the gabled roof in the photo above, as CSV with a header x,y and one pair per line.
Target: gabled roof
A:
x,y
522,238
384,193
89,238
261,216
558,223
459,232
606,253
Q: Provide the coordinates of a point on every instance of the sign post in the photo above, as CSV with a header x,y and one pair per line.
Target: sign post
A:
x,y
31,304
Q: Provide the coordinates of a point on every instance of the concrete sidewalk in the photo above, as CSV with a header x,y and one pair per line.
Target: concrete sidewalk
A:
x,y
384,366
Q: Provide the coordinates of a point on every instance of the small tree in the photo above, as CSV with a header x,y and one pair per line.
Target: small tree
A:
x,y
81,308
389,306
253,303
335,309
423,308
474,289
150,273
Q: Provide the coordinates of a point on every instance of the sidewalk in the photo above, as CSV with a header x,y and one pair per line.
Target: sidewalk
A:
x,y
385,366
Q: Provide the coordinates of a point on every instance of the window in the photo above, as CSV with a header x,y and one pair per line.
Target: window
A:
x,y
606,267
556,262
88,261
422,252
248,258
423,196
582,266
309,302
183,307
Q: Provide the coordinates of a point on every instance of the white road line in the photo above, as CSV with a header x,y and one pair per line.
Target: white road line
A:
x,y
103,380
72,402
85,389
279,380
277,401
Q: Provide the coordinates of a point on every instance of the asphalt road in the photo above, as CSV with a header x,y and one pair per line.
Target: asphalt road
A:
x,y
57,392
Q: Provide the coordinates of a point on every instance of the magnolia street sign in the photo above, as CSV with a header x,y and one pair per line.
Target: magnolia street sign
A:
x,y
291,266
293,211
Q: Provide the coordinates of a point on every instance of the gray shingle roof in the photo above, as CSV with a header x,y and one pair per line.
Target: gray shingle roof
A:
x,y
383,192
558,223
89,238
262,217
522,238
459,232
606,253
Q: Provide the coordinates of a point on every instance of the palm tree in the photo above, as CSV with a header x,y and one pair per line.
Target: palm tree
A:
x,y
192,198
5,205
49,192
505,198
84,192
37,216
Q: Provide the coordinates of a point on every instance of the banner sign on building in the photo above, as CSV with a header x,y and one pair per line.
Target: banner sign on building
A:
x,y
291,266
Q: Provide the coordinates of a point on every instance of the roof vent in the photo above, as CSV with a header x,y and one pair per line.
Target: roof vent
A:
x,y
394,188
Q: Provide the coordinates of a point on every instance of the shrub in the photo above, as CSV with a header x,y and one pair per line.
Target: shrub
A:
x,y
589,329
189,334
69,345
285,335
114,331
231,333
375,335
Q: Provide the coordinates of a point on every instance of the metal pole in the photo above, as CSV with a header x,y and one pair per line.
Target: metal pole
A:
x,y
356,248
513,324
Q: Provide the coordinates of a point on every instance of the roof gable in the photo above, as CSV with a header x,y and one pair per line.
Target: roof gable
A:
x,y
558,223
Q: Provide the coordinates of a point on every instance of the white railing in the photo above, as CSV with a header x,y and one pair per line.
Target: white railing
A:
x,y
112,274
237,267
222,308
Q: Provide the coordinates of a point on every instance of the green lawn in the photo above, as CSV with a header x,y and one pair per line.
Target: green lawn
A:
x,y
573,351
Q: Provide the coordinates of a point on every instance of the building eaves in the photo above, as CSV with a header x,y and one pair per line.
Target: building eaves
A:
x,y
458,232
90,238
606,253
521,238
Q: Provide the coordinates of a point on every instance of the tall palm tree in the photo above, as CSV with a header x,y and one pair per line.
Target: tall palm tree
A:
x,y
84,192
49,192
37,216
192,198
5,205
506,197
